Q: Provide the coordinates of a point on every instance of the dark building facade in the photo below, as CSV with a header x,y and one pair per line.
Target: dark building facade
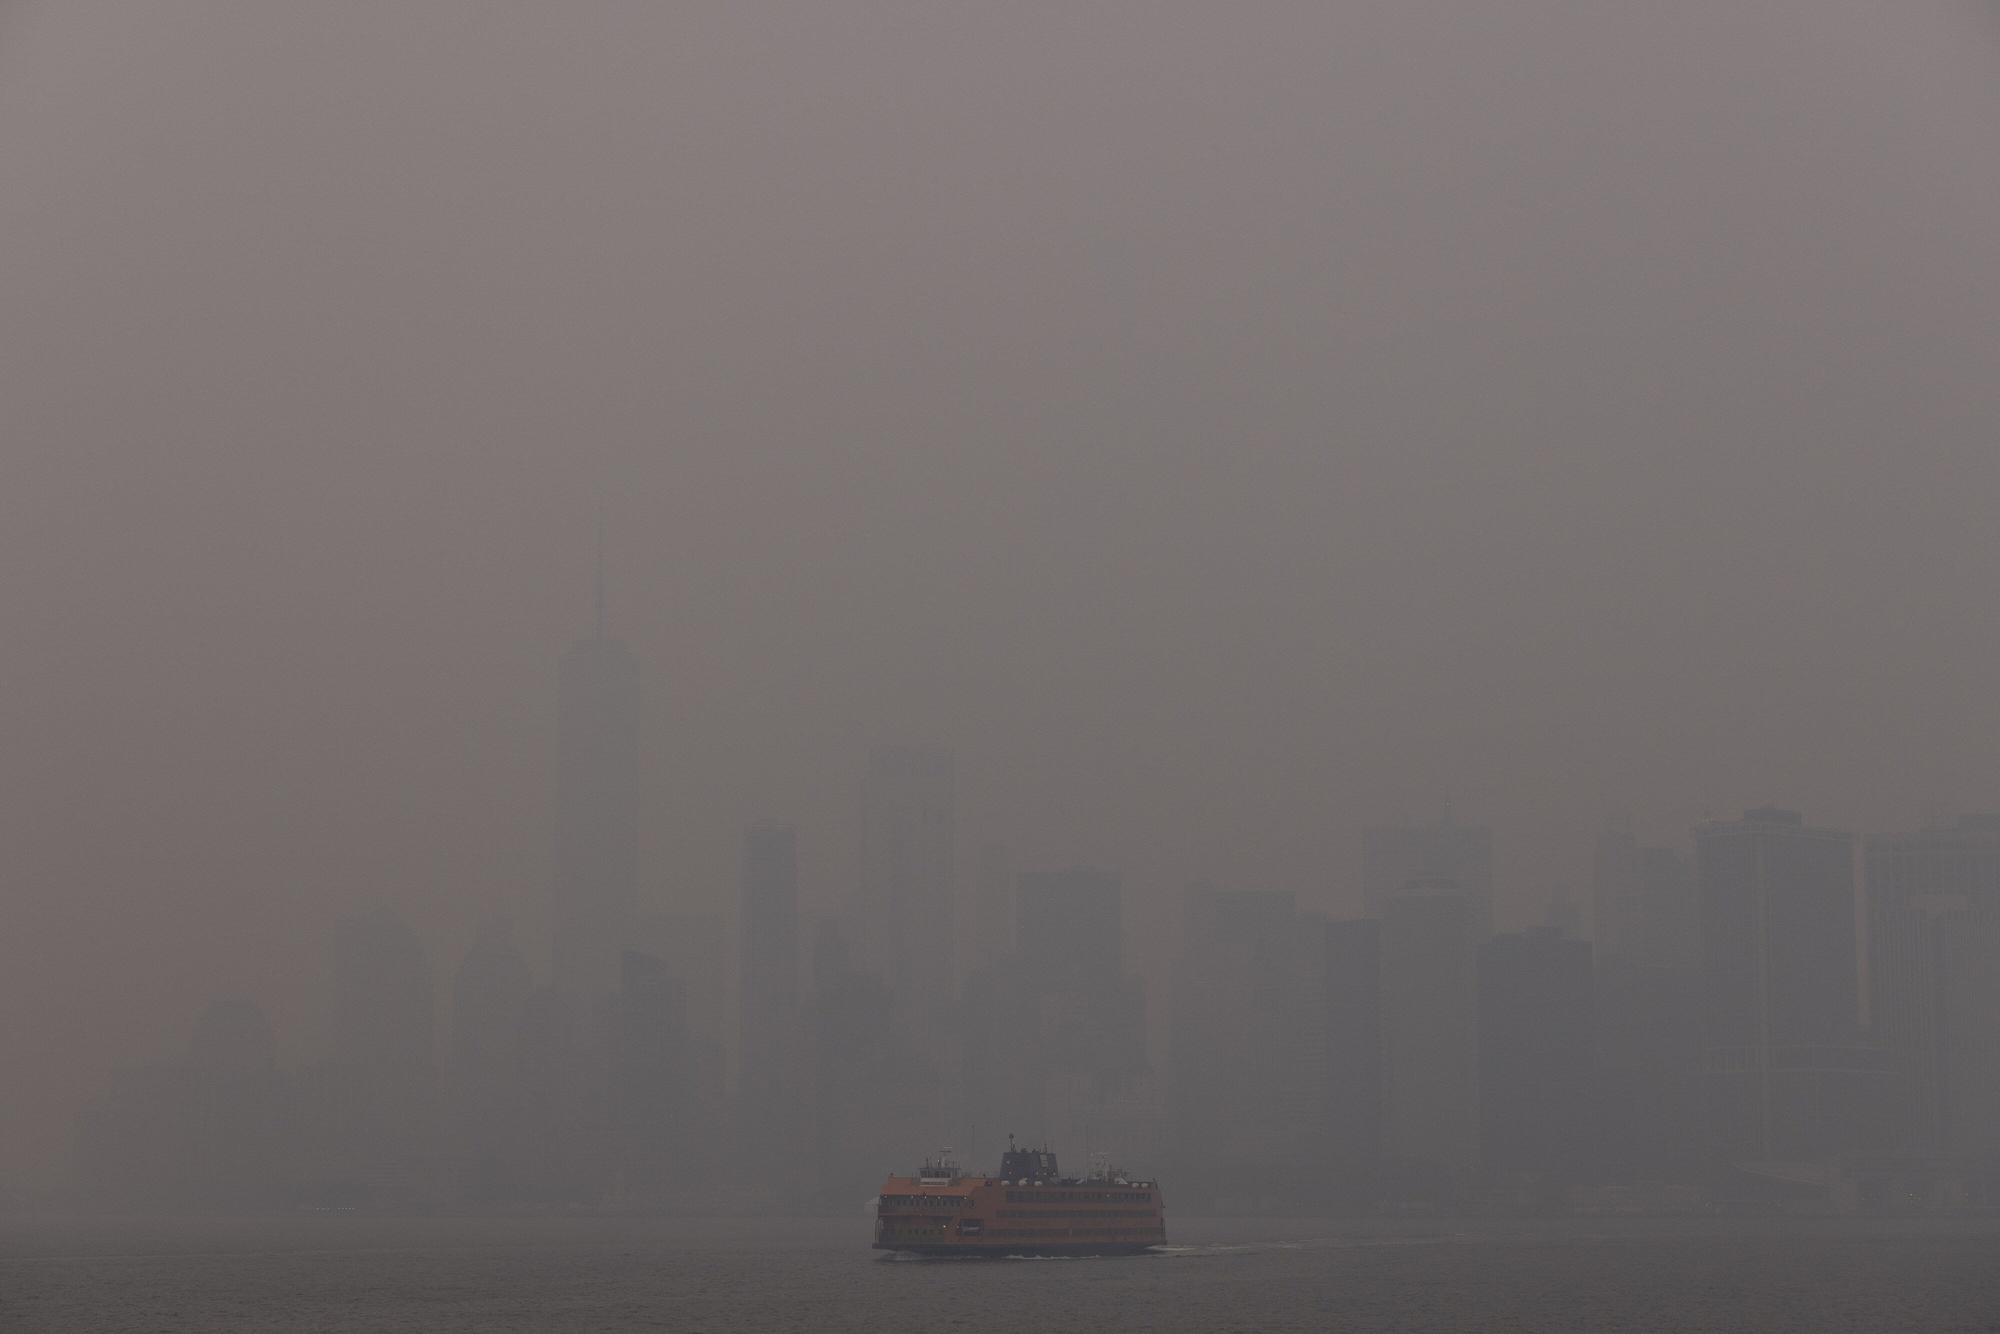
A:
x,y
662,1085
486,1099
1354,1059
904,923
1536,1064
371,1104
770,1085
1788,1076
877,1093
1646,949
1068,928
1248,1016
1933,923
1430,1038
214,1130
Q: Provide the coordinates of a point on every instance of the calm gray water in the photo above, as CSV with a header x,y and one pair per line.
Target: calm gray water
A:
x,y
344,1273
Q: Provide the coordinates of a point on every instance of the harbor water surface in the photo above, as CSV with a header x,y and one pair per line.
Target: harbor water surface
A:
x,y
341,1273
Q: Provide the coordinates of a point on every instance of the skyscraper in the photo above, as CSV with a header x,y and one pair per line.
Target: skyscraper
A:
x,y
1354,1056
594,896
905,918
659,1114
1068,928
1787,1076
1642,903
1248,1016
382,999
768,974
1645,951
370,1106
1535,1060
1446,852
696,948
1933,918
992,909
1430,1035
489,1002
218,1129
485,1075
1084,1059
876,1093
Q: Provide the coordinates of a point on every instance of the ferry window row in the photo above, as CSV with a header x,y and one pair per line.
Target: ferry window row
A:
x,y
1078,1197
1076,1213
925,1201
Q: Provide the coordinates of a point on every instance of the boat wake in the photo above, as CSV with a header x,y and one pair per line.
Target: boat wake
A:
x,y
1295,1244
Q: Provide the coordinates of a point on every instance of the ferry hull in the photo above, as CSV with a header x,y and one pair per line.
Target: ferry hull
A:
x,y
1024,1252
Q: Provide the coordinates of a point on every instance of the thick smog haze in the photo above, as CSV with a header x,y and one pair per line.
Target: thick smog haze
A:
x,y
1222,428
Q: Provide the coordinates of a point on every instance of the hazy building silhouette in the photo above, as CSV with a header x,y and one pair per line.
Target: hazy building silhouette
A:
x,y
1536,1067
1562,914
877,1093
1430,1036
992,908
1247,1016
1354,1058
489,1002
770,1085
1085,1067
594,894
486,1073
698,950
1446,852
904,923
1933,921
1000,1089
373,1100
1068,928
567,1120
240,1142
768,954
1642,903
213,1130
1788,1079
663,1084
383,999
233,1036
1646,960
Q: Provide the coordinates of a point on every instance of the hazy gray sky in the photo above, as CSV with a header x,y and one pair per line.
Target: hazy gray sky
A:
x,y
1223,425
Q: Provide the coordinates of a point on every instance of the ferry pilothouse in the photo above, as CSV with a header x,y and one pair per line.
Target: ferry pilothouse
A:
x,y
1027,1208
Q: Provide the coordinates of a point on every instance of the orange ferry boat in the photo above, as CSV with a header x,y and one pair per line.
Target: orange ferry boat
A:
x,y
1027,1208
